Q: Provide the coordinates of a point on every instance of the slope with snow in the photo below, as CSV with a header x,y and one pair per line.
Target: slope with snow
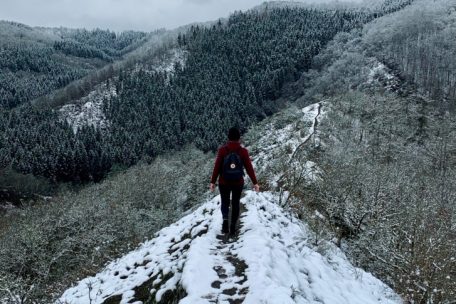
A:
x,y
88,110
275,147
271,261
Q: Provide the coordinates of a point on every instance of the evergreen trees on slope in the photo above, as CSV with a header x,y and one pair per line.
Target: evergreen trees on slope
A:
x,y
233,75
35,62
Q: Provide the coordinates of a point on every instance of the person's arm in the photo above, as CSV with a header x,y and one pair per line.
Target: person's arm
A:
x,y
250,171
216,171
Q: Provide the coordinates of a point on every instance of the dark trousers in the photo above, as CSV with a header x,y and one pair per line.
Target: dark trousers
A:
x,y
235,192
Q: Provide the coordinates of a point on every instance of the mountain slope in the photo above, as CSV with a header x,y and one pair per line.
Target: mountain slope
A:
x,y
36,61
271,261
275,258
235,74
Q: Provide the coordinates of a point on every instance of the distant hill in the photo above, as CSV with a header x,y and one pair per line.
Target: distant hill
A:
x,y
36,61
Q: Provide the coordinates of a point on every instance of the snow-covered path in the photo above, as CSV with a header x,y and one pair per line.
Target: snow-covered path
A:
x,y
271,261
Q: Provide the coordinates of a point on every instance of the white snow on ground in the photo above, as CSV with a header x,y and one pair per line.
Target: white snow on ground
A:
x,y
274,139
381,69
176,56
380,73
279,145
89,109
164,63
271,261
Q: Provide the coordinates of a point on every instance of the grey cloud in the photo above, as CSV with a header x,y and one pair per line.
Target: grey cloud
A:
x,y
117,15
201,1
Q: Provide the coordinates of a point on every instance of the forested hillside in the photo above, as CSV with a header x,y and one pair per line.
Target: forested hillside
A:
x,y
421,45
37,61
233,74
386,148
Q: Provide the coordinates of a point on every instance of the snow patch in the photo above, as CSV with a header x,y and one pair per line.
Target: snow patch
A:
x,y
160,261
380,73
279,144
165,63
280,264
88,111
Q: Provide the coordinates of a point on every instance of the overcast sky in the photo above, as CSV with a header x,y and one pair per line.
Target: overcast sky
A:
x,y
118,15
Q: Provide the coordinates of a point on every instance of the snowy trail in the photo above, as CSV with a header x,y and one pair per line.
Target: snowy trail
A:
x,y
271,261
315,110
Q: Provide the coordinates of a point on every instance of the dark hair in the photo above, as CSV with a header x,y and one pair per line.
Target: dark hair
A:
x,y
234,134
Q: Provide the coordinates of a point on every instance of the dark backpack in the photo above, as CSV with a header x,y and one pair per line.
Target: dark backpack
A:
x,y
233,167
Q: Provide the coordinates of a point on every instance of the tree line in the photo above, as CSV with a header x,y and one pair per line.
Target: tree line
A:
x,y
233,75
387,152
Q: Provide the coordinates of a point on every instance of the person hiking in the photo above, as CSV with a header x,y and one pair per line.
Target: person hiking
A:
x,y
229,168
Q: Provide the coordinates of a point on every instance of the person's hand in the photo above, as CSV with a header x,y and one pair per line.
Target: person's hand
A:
x,y
256,187
212,187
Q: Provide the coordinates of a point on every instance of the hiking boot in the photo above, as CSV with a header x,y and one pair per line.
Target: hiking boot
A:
x,y
225,226
233,230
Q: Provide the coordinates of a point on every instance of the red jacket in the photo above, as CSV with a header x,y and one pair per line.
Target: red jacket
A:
x,y
243,153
